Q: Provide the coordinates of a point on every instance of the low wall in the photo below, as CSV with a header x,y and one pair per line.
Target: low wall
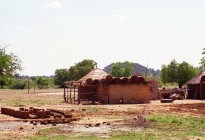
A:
x,y
86,92
126,94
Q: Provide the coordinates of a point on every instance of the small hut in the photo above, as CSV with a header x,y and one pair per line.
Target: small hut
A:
x,y
89,84
97,85
86,86
196,86
95,74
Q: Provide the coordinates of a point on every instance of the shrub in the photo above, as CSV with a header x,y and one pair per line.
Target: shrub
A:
x,y
18,84
44,83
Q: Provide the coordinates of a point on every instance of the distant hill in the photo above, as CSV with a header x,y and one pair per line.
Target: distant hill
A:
x,y
138,69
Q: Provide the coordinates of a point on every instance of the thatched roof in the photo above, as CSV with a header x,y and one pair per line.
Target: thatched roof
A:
x,y
94,74
196,79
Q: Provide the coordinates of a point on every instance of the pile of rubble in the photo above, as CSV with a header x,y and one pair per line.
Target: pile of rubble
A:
x,y
172,93
35,115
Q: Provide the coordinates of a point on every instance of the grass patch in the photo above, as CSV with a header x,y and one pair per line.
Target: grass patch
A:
x,y
16,103
56,137
115,136
133,136
178,126
115,117
160,127
52,130
93,109
37,101
25,91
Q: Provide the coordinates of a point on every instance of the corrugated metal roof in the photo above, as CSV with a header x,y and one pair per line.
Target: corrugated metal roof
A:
x,y
94,74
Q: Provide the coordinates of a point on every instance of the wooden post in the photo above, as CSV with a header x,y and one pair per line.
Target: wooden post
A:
x,y
28,86
64,94
74,94
67,94
34,87
70,94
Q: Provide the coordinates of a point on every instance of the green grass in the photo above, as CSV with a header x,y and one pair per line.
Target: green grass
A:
x,y
114,117
160,127
177,126
57,137
37,101
16,103
133,136
115,136
25,91
93,109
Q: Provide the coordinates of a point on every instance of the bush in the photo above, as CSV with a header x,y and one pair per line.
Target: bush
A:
x,y
44,82
18,84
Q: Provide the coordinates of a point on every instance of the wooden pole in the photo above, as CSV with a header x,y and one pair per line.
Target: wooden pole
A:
x,y
64,94
28,86
34,87
67,93
74,94
70,94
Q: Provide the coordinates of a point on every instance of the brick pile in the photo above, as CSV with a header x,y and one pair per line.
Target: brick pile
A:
x,y
34,115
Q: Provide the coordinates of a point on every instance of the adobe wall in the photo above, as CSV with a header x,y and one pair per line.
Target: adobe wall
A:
x,y
126,94
84,92
154,89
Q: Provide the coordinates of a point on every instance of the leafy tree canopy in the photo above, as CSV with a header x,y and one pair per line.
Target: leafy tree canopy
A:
x,y
75,72
177,72
9,64
202,63
81,69
44,82
61,75
122,69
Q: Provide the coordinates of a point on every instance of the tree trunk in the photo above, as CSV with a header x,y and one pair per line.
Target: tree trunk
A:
x,y
2,84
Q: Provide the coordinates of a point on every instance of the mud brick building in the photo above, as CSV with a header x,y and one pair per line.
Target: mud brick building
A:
x,y
196,86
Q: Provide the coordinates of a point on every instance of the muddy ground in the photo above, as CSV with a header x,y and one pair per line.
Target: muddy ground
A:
x,y
98,119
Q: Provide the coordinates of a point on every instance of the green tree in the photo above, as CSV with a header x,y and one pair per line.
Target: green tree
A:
x,y
44,82
129,70
9,64
185,72
81,69
202,63
61,75
177,72
164,74
117,70
122,69
172,71
15,83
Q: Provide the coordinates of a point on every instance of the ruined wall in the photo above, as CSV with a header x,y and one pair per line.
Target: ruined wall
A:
x,y
154,89
126,94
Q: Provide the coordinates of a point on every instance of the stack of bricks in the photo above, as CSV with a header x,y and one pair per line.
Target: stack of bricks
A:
x,y
39,115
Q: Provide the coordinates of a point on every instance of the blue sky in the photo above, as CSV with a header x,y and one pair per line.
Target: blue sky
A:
x,y
53,34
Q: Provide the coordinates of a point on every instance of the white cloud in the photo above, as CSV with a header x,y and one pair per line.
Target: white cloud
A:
x,y
119,17
54,5
145,28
